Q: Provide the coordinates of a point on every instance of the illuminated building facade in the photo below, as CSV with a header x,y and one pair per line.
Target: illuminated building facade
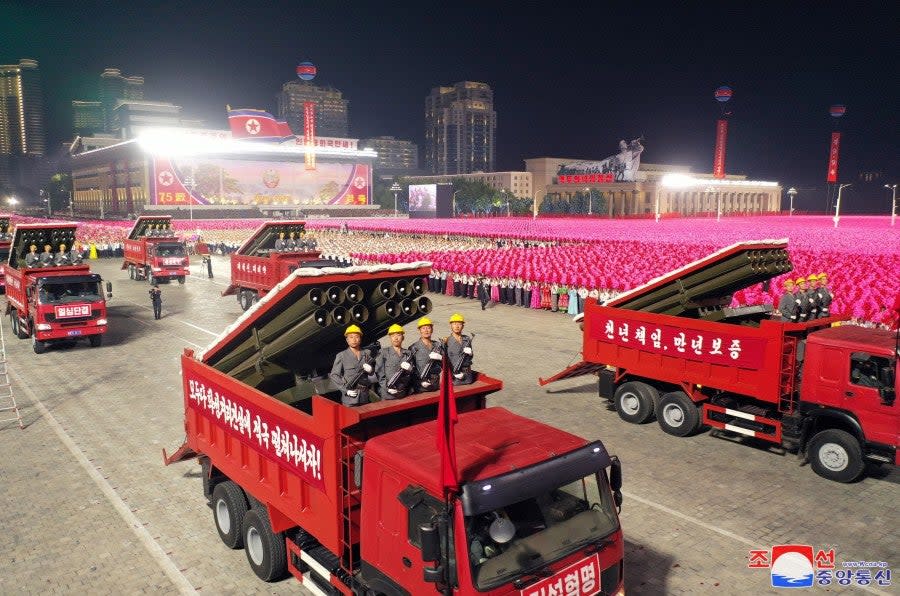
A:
x,y
460,129
332,110
21,110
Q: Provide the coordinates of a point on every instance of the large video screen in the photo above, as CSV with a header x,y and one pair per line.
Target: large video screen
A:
x,y
219,181
422,200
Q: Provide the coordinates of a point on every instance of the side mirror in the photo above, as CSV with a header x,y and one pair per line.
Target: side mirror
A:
x,y
430,539
109,289
615,481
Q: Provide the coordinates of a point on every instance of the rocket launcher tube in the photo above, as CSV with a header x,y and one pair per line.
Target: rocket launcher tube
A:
x,y
335,295
353,293
296,334
404,288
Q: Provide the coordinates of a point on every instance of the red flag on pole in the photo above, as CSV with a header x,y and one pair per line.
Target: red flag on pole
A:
x,y
253,124
446,440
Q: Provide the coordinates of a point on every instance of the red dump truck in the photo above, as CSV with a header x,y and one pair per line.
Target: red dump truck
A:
x,y
5,242
153,252
52,303
674,349
349,500
274,250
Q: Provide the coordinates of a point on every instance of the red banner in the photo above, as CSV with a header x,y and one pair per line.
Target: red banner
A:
x,y
718,348
72,311
719,157
261,430
580,579
309,133
833,157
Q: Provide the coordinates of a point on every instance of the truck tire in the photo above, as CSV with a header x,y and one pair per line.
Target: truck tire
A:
x,y
836,455
95,340
244,299
229,507
131,274
265,549
677,414
634,402
16,327
150,278
39,346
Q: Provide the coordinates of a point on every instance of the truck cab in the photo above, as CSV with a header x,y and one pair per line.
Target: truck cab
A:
x,y
52,303
849,385
536,511
153,251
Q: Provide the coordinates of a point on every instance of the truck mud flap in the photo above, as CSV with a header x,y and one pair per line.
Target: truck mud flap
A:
x,y
310,572
576,370
742,423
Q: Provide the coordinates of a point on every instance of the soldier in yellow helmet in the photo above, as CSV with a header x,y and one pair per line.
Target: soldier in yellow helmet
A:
x,y
789,305
427,356
394,366
459,352
825,297
805,307
353,371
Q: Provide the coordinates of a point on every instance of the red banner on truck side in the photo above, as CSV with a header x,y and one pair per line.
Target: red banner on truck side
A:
x,y
262,431
72,311
833,155
715,348
580,579
719,156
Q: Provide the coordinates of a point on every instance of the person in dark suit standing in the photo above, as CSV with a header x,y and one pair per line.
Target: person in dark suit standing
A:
x,y
156,299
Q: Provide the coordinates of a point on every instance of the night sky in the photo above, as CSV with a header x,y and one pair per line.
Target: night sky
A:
x,y
568,81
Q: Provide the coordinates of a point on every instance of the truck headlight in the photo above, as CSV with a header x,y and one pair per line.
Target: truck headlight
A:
x,y
101,321
43,327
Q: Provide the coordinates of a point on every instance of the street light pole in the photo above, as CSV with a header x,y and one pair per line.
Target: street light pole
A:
x,y
454,201
658,189
893,188
395,188
590,200
792,192
837,206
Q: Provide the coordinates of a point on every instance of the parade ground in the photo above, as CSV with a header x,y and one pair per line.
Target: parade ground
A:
x,y
89,507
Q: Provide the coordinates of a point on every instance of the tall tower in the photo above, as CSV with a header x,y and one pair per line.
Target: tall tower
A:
x,y
460,126
332,110
21,109
113,88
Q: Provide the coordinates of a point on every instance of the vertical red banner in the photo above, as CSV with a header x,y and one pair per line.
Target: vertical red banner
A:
x,y
309,133
719,157
833,155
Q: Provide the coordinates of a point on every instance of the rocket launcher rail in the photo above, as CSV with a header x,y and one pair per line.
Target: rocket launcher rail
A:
x,y
40,234
704,289
295,330
263,239
144,223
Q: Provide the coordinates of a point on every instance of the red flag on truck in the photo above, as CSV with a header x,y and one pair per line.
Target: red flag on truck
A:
x,y
446,420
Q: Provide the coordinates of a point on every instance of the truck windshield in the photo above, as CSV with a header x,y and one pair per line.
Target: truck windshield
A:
x,y
170,249
4,255
65,293
528,535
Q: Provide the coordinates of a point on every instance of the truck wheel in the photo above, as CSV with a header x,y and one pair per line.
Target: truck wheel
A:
x,y
181,279
634,402
96,340
244,299
16,327
131,272
229,508
677,414
265,549
39,346
836,455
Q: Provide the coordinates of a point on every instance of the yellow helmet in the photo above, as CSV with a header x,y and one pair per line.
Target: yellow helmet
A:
x,y
823,276
424,321
789,282
801,280
395,328
457,318
352,329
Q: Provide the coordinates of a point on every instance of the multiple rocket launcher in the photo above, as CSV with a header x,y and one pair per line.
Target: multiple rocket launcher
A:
x,y
300,341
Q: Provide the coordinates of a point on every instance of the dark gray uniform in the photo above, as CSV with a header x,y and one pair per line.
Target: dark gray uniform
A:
x,y
389,364
345,369
422,357
280,244
75,257
456,356
824,302
812,303
32,259
46,259
789,307
62,258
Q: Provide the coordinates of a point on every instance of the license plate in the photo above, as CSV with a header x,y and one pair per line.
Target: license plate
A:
x,y
74,332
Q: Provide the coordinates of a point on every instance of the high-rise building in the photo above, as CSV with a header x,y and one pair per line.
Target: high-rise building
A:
x,y
332,110
21,109
113,88
394,155
87,117
131,117
460,126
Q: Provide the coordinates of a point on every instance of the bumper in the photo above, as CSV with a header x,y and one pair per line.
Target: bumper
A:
x,y
70,332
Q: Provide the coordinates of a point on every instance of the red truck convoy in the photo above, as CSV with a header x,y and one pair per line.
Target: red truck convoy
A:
x,y
153,252
5,242
274,250
52,302
350,500
673,349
